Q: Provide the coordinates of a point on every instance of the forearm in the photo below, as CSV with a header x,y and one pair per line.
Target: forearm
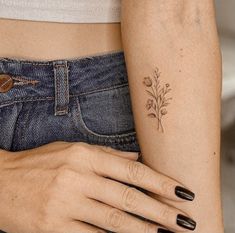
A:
x,y
181,139
3,211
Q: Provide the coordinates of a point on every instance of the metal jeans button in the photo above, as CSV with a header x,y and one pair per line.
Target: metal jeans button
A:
x,y
6,83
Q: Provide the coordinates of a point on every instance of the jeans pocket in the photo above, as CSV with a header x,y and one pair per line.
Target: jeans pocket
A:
x,y
107,113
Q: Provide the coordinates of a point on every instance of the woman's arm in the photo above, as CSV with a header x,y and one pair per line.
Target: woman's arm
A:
x,y
174,70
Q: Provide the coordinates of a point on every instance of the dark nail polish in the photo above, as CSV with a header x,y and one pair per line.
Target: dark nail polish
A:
x,y
164,231
184,193
186,222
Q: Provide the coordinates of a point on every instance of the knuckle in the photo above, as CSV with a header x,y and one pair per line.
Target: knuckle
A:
x,y
107,149
65,173
115,218
129,199
166,187
148,227
63,177
80,154
80,147
135,171
70,155
165,214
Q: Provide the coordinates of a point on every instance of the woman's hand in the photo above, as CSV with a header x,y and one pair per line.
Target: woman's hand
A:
x,y
75,187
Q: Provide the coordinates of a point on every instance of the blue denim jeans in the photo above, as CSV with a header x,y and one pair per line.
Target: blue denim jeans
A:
x,y
85,99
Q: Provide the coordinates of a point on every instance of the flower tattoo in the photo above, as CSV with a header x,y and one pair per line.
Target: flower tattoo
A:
x,y
158,99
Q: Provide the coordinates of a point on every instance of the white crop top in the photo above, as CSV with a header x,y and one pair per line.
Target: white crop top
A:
x,y
68,11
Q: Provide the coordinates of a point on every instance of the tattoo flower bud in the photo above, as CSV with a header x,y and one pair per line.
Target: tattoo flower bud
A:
x,y
147,82
149,104
163,111
167,85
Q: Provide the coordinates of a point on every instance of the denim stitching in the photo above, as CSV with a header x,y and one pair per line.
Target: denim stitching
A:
x,y
65,108
35,98
96,134
103,89
58,85
56,88
66,86
61,110
23,81
127,140
16,131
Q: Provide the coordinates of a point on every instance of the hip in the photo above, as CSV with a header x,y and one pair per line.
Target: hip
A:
x,y
84,99
49,40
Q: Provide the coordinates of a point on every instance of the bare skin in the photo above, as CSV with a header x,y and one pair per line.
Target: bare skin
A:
x,y
47,40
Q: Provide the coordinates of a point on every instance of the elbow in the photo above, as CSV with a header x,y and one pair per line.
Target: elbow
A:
x,y
169,12
171,21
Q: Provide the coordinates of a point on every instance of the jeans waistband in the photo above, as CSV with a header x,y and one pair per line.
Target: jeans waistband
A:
x,y
61,79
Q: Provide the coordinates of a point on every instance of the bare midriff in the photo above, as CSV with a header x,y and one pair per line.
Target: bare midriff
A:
x,y
38,40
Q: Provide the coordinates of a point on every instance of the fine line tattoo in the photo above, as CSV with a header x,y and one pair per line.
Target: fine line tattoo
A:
x,y
158,99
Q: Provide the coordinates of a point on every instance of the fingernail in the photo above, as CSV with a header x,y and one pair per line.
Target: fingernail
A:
x,y
186,222
164,231
184,193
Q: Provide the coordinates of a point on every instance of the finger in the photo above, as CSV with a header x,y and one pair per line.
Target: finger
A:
x,y
134,201
138,174
124,154
78,226
112,219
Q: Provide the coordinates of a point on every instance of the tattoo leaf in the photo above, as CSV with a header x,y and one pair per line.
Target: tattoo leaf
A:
x,y
168,99
150,93
168,90
152,115
165,104
161,91
158,102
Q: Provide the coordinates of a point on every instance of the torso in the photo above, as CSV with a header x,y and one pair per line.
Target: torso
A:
x,y
47,40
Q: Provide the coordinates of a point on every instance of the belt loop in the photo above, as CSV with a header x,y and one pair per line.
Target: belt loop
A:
x,y
61,87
